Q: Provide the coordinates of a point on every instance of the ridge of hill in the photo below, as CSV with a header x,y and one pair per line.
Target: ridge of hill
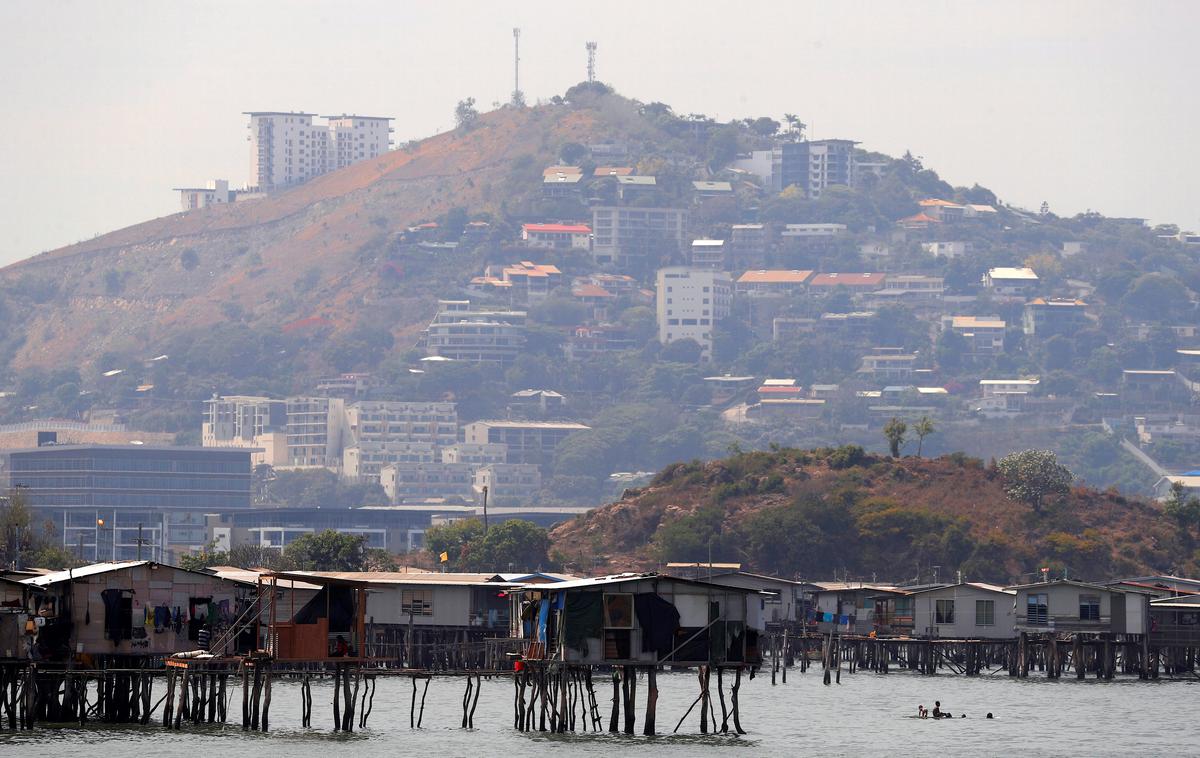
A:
x,y
815,513
314,251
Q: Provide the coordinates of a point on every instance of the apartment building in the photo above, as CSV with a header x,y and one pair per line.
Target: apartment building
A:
x,y
888,363
508,484
475,453
814,165
706,253
855,283
422,481
461,333
994,387
629,235
984,335
365,462
314,432
256,423
527,441
748,246
289,148
1046,317
690,302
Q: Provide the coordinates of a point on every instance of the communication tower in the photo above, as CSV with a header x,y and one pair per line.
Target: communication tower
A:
x,y
591,51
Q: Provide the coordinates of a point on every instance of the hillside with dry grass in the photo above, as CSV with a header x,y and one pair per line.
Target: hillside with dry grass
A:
x,y
322,252
816,513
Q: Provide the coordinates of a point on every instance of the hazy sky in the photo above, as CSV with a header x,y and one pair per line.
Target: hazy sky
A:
x,y
108,105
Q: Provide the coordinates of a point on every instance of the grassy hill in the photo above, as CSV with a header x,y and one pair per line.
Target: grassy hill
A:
x,y
322,252
813,513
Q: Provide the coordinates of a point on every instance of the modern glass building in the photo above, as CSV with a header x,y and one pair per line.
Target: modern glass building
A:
x,y
121,502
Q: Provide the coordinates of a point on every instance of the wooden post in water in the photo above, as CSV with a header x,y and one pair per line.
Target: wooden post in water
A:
x,y
721,697
651,701
616,700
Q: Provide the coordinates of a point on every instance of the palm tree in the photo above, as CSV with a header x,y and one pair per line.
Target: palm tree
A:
x,y
923,428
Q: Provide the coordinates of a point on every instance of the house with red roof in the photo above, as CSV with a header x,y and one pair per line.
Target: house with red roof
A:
x,y
557,236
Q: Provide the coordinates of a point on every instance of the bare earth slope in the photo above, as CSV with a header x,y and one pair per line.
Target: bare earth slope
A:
x,y
252,255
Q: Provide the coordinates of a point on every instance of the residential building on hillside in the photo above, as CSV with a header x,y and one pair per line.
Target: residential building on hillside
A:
x,y
314,432
364,462
791,328
631,186
690,302
461,333
948,249
748,246
527,441
705,190
706,253
557,236
1164,488
475,453
810,231
984,336
421,481
561,186
992,387
772,282
524,282
942,210
258,424
384,421
1144,389
625,235
888,363
814,165
508,484
215,192
288,148
1011,281
1046,317
589,341
909,289
537,402
103,499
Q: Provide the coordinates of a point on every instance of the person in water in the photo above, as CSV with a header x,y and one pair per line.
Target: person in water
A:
x,y
922,712
989,714
937,709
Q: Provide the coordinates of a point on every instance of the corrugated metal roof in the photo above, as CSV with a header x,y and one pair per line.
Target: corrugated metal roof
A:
x,y
403,577
82,571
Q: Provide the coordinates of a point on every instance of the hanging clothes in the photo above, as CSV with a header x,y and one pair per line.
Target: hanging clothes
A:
x,y
162,618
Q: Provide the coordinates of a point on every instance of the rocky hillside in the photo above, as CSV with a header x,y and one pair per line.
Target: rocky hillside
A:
x,y
320,253
813,513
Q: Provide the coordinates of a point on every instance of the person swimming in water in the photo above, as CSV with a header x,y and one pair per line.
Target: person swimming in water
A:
x,y
989,714
922,712
937,709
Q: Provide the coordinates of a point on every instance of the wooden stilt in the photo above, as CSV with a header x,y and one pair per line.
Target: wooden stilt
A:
x,y
616,701
651,701
737,685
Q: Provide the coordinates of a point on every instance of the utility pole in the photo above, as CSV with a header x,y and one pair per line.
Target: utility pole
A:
x,y
139,541
485,518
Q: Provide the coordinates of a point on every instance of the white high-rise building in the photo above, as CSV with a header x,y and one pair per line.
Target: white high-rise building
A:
x,y
288,148
690,303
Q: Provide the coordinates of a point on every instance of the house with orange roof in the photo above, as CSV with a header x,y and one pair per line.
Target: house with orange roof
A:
x,y
859,283
942,210
557,236
772,282
522,282
613,171
918,221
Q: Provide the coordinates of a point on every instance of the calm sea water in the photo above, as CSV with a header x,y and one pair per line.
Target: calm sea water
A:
x,y
868,714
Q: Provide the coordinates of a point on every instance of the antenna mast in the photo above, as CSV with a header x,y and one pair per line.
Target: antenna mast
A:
x,y
591,51
518,97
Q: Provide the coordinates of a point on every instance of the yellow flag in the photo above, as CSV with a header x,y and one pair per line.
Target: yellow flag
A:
x,y
445,557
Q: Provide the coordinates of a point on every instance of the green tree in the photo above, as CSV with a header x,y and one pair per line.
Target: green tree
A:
x,y
572,153
453,539
326,551
512,545
1183,508
1031,475
1156,297
28,542
465,114
894,431
923,428
681,351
